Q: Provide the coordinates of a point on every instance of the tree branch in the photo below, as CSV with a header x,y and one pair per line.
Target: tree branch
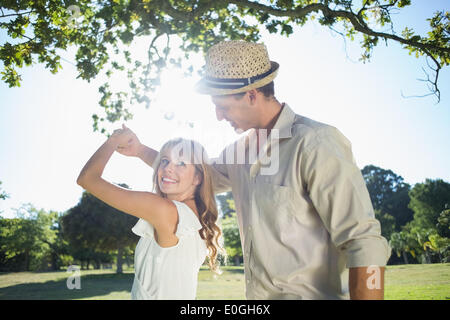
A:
x,y
186,15
300,12
354,19
14,14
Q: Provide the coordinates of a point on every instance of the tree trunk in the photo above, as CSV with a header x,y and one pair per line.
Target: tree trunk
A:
x,y
54,261
405,257
127,260
237,261
119,260
27,260
427,256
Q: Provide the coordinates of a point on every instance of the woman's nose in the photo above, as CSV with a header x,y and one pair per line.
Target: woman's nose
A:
x,y
169,168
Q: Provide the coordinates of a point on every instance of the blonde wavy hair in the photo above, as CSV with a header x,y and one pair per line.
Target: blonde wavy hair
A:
x,y
203,196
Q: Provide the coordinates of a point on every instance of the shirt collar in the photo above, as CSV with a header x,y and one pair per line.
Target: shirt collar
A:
x,y
284,122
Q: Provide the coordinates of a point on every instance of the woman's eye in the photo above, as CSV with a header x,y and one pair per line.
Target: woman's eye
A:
x,y
164,162
181,163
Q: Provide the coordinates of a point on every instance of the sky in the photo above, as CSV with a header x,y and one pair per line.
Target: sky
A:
x,y
46,133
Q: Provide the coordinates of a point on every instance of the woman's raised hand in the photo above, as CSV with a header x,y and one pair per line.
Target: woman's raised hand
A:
x,y
127,141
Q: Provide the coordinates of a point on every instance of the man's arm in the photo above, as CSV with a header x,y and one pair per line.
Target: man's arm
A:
x,y
366,283
147,154
339,194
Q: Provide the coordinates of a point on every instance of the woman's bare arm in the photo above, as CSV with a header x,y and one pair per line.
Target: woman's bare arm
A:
x,y
160,212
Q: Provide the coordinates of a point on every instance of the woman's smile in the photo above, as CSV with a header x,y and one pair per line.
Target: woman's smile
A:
x,y
168,181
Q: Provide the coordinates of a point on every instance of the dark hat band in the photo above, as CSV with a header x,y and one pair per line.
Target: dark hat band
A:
x,y
234,83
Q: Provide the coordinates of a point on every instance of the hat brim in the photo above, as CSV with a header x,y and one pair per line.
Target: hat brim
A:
x,y
202,86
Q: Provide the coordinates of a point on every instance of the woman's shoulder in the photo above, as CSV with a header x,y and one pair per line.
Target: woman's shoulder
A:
x,y
188,221
187,224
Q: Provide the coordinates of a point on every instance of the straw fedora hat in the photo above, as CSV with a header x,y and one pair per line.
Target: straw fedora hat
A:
x,y
236,66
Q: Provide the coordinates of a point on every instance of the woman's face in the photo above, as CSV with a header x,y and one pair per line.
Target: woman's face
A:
x,y
176,176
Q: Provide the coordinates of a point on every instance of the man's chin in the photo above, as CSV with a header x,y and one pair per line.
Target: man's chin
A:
x,y
238,130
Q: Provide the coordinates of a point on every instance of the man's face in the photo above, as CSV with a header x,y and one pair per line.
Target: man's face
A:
x,y
237,111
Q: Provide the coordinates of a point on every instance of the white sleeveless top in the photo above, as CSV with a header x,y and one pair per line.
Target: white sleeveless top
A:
x,y
168,273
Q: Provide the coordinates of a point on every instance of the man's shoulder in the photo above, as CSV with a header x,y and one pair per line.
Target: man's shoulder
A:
x,y
311,133
306,128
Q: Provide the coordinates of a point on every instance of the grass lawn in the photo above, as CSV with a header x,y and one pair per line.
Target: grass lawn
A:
x,y
417,282
404,282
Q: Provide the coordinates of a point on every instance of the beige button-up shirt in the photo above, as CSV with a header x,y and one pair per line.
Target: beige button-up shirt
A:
x,y
304,212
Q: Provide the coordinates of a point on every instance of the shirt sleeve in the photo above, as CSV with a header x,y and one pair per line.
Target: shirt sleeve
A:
x,y
339,194
219,174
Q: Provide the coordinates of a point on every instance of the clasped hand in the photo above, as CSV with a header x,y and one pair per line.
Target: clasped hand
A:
x,y
126,141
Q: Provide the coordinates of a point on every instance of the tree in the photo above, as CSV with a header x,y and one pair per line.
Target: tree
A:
x,y
389,194
224,204
92,227
443,230
424,244
59,247
439,246
443,224
3,194
387,223
101,28
402,243
421,236
79,230
428,200
230,228
232,238
28,242
425,236
18,243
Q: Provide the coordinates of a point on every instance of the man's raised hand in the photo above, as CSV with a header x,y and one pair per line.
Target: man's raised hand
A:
x,y
129,143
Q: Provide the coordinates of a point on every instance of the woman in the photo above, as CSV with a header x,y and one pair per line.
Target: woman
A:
x,y
177,223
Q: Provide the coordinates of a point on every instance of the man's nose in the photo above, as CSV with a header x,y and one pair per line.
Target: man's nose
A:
x,y
219,114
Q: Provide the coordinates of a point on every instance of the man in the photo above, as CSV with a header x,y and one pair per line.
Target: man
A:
x,y
307,229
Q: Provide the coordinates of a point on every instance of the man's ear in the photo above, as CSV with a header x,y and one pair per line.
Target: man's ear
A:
x,y
252,95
